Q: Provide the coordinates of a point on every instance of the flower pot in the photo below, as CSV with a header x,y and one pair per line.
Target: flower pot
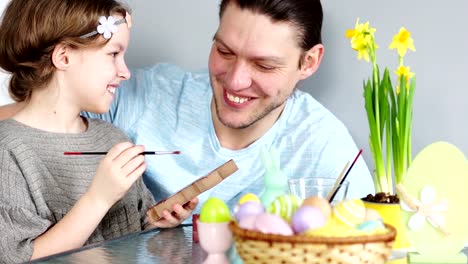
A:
x,y
391,214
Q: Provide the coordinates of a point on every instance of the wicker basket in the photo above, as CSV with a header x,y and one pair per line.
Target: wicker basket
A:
x,y
256,247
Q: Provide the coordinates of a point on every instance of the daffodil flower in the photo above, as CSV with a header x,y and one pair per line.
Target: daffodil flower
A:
x,y
428,209
361,47
389,112
107,26
405,72
402,41
362,39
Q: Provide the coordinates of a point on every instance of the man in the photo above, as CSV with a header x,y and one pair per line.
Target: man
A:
x,y
247,102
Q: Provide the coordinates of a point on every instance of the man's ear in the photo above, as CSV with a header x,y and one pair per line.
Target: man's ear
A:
x,y
61,56
311,61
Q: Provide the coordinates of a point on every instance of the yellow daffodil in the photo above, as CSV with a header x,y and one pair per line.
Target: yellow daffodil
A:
x,y
404,71
402,41
360,45
350,33
362,39
388,108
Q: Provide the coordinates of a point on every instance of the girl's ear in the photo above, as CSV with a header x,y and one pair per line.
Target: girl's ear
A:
x,y
311,61
61,56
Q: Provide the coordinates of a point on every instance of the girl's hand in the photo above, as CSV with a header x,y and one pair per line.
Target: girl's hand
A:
x,y
117,172
179,214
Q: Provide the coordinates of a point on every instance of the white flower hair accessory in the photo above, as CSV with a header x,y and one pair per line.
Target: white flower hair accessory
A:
x,y
107,26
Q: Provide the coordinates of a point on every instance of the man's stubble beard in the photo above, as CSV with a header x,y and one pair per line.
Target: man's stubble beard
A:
x,y
254,117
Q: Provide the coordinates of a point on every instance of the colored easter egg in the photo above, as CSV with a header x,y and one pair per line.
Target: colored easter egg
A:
x,y
321,203
214,210
248,208
306,218
248,222
272,224
249,197
372,215
371,226
285,206
350,212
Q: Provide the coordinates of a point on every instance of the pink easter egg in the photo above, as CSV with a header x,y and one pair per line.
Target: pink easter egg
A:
x,y
248,222
248,208
307,218
272,224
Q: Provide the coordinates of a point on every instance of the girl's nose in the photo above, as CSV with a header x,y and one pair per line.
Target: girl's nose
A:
x,y
124,72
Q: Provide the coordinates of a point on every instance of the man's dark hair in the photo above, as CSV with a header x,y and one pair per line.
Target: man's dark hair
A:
x,y
306,15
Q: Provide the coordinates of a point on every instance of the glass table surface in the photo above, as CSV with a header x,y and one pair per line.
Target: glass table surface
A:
x,y
173,245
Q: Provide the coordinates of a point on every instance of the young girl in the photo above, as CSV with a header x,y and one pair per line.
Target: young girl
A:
x,y
66,57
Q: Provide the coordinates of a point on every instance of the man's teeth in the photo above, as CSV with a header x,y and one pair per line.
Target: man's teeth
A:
x,y
111,90
237,99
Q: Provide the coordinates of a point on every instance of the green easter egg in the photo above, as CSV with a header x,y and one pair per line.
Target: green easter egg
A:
x,y
214,210
285,206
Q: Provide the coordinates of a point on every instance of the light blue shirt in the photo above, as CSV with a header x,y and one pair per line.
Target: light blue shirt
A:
x,y
166,108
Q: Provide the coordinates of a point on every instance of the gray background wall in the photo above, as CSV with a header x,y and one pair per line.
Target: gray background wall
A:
x,y
180,31
3,76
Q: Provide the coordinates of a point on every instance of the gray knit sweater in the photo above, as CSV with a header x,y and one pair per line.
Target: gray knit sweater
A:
x,y
39,185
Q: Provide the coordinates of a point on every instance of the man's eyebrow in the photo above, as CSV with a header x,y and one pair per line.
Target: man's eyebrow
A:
x,y
273,59
217,39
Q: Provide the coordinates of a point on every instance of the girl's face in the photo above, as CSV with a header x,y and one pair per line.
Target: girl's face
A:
x,y
97,72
